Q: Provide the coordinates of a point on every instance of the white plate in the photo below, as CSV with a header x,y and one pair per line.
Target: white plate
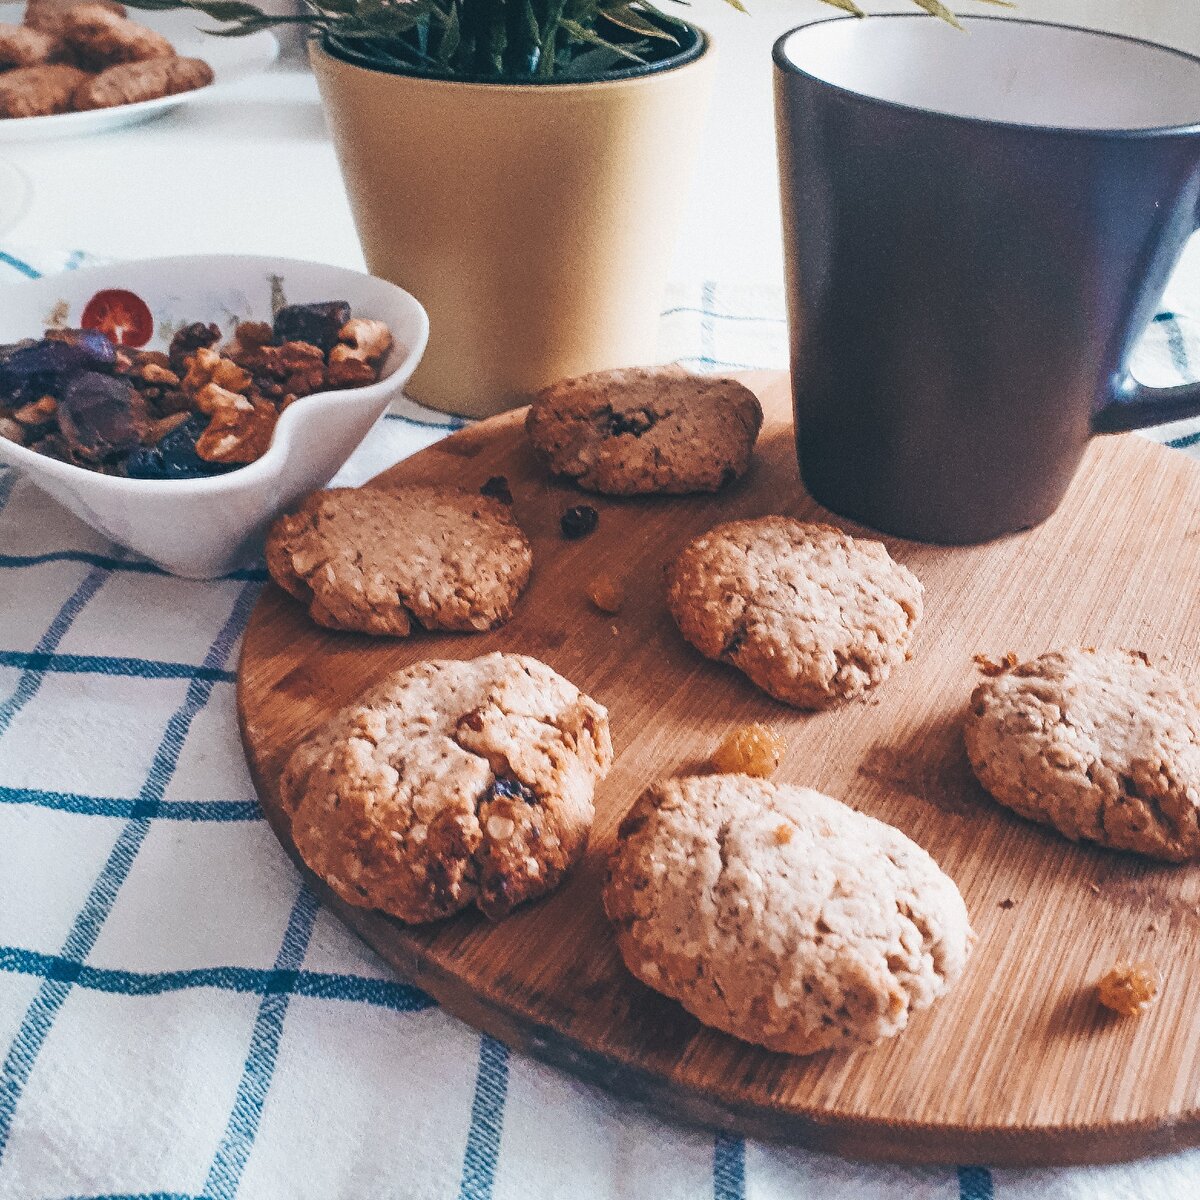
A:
x,y
15,191
230,58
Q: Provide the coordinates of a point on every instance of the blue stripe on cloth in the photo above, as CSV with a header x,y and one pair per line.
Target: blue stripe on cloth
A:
x,y
139,1196
95,664
487,1122
975,1183
706,360
729,1168
30,681
19,265
720,316
1182,443
453,425
1175,343
249,574
115,806
44,1007
225,1174
321,985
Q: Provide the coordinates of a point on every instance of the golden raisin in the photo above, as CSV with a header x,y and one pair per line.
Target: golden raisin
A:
x,y
749,750
1128,989
606,594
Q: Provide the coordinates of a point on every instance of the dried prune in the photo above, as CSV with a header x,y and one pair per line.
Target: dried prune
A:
x,y
579,521
174,457
316,324
43,368
100,415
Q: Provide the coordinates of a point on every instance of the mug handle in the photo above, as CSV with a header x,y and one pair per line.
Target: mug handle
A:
x,y
1133,405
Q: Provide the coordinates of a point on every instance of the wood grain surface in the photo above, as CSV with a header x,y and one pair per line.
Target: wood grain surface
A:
x,y
1017,1064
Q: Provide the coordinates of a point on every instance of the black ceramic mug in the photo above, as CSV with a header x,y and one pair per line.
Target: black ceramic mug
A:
x,y
978,227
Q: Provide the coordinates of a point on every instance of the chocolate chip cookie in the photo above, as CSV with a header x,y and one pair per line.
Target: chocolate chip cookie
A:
x,y
646,430
450,783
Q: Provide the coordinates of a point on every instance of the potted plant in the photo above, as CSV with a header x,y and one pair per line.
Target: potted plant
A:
x,y
520,166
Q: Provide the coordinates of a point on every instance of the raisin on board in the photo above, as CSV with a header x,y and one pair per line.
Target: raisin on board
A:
x,y
579,521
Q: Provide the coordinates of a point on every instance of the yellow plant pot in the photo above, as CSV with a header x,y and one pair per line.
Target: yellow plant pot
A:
x,y
535,222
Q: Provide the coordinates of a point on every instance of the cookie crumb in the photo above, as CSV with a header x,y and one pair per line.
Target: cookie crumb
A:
x,y
1095,887
990,667
749,750
1008,903
578,521
606,594
1128,990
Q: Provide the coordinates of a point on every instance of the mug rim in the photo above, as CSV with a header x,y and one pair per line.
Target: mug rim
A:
x,y
785,65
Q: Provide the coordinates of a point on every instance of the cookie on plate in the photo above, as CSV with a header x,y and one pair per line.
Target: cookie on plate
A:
x,y
98,38
646,430
813,616
450,783
1099,744
39,91
21,46
780,915
376,559
131,83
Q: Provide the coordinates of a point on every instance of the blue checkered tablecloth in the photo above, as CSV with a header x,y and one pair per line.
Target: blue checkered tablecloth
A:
x,y
178,1016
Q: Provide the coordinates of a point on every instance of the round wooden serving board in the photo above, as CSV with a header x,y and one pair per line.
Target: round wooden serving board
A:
x,y
1017,1064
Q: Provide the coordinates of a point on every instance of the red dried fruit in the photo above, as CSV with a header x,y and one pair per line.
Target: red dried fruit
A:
x,y
122,315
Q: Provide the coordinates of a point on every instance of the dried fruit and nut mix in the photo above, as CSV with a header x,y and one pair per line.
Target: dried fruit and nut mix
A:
x,y
80,396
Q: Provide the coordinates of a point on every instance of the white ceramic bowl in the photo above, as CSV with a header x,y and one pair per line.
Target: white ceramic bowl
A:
x,y
202,528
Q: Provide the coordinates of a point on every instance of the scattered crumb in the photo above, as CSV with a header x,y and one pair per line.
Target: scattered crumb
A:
x,y
991,667
614,630
1095,888
1008,903
1128,990
749,750
606,594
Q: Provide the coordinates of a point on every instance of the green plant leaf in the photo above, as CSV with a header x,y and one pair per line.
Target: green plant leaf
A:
x,y
450,39
629,18
935,8
846,6
582,34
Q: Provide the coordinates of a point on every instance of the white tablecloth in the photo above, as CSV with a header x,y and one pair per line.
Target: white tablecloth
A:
x,y
180,1020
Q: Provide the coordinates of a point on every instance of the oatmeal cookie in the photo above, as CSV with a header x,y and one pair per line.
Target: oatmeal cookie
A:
x,y
48,15
1099,744
98,38
782,916
451,783
132,82
810,614
38,91
645,430
21,46
376,559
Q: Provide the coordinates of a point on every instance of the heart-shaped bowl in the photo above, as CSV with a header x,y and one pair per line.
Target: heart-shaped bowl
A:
x,y
204,528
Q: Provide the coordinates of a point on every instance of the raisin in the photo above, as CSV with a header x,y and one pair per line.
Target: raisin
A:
x,y
636,422
749,750
505,787
497,487
1128,990
317,324
579,521
606,594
